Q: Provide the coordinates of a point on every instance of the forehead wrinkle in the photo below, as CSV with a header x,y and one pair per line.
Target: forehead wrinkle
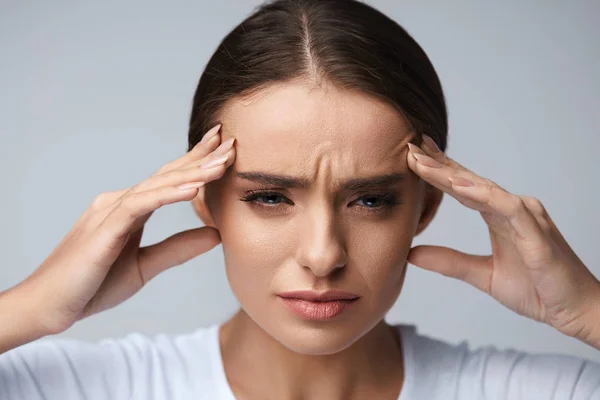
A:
x,y
316,135
300,175
287,181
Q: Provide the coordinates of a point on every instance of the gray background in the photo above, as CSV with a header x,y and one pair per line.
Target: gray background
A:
x,y
95,96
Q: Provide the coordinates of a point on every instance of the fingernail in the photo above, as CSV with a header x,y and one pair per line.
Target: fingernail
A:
x,y
457,181
429,142
215,162
427,161
190,185
212,132
415,149
225,146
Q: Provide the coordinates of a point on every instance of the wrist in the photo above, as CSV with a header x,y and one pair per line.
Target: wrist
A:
x,y
590,331
19,321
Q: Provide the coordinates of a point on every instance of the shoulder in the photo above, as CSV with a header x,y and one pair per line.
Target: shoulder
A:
x,y
133,366
491,373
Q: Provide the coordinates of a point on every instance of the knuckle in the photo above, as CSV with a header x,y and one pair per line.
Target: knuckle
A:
x,y
101,201
164,169
453,163
489,191
516,205
543,223
138,187
128,200
127,204
534,205
493,183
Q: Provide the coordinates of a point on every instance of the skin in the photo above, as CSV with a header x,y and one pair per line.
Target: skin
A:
x,y
319,237
322,240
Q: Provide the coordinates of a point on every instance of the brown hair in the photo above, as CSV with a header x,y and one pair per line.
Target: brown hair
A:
x,y
344,42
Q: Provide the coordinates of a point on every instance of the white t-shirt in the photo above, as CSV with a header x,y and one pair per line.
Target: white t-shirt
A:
x,y
189,366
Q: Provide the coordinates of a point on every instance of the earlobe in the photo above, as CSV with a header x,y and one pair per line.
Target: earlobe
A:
x,y
201,208
431,203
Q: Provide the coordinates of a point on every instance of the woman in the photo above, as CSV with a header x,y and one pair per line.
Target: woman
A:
x,y
316,154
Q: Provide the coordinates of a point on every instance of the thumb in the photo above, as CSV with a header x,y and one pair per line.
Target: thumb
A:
x,y
176,250
473,269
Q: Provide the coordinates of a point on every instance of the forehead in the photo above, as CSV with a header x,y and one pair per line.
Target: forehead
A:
x,y
293,124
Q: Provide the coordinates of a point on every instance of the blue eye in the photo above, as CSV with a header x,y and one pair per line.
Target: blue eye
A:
x,y
266,199
272,200
383,200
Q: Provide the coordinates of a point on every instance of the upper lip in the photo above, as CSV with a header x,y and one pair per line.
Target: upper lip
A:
x,y
309,295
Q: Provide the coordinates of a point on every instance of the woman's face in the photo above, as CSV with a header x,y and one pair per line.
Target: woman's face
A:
x,y
339,227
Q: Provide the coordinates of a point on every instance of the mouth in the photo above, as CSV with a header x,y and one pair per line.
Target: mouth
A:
x,y
318,306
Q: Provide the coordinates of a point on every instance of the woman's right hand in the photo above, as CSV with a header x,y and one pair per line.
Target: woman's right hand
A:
x,y
100,263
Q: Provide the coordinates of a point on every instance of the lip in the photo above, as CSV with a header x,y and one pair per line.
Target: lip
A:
x,y
318,306
309,295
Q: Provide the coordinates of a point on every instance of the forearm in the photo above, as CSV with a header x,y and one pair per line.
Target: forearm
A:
x,y
18,324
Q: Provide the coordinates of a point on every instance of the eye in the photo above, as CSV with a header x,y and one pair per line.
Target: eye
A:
x,y
378,201
266,198
371,202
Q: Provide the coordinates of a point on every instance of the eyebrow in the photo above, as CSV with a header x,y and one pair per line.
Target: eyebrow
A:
x,y
290,182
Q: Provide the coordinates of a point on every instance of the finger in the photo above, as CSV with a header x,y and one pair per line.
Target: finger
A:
x,y
537,209
224,148
194,174
209,142
133,206
176,250
509,206
431,149
207,146
429,175
101,206
191,178
106,199
479,194
436,170
546,223
473,269
207,169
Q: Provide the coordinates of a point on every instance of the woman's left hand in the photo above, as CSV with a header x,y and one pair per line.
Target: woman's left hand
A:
x,y
532,270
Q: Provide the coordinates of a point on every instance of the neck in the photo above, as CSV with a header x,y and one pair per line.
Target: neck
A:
x,y
258,366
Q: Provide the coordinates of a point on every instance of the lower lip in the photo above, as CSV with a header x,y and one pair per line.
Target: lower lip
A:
x,y
317,310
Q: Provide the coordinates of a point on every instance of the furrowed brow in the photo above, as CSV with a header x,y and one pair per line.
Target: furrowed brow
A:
x,y
290,182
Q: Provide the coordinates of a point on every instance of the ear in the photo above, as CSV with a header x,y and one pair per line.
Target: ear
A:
x,y
201,208
431,203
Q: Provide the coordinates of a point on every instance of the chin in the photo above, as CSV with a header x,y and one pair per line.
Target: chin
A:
x,y
317,338
316,330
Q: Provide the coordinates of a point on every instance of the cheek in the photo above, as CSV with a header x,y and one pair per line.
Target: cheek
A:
x,y
379,250
253,248
381,257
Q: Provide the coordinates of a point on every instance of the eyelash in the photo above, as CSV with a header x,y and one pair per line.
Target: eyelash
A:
x,y
390,200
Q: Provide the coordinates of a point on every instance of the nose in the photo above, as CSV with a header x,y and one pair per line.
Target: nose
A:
x,y
321,246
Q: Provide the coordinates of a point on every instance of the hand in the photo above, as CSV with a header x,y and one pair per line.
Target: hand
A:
x,y
100,264
532,270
